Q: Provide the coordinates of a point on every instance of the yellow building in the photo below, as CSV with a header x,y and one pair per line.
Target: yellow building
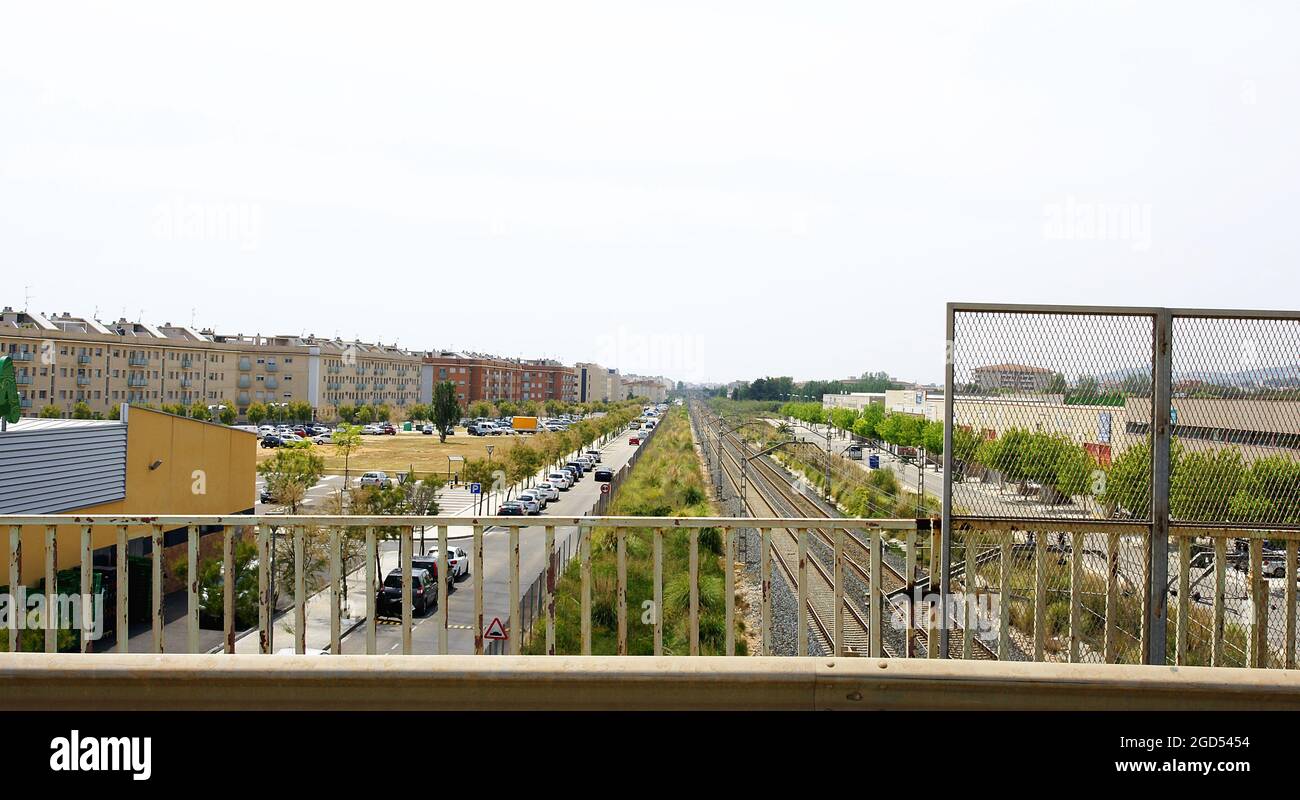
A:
x,y
147,462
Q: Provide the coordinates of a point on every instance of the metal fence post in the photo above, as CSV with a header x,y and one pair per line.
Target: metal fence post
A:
x,y
945,520
1161,430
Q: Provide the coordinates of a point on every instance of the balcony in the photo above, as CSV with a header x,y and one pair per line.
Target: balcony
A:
x,y
245,674
242,399
138,361
187,362
186,383
83,380
271,382
21,355
245,365
23,379
271,366
245,381
83,359
25,402
137,380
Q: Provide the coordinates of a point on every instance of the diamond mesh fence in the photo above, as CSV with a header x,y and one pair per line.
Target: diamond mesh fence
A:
x,y
1052,440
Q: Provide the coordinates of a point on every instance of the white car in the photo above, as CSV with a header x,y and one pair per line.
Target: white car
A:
x,y
530,504
534,496
457,563
548,491
561,480
376,479
372,430
324,438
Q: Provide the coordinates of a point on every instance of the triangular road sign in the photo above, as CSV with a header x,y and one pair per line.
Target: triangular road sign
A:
x,y
495,630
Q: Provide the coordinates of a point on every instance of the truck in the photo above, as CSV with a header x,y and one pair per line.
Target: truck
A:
x,y
524,424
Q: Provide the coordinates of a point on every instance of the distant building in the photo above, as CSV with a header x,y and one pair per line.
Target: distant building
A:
x,y
853,400
1011,377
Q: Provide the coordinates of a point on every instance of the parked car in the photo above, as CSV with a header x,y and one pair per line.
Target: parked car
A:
x,y
372,430
573,473
634,439
457,563
323,438
550,491
530,504
376,479
272,440
429,563
541,498
427,430
577,466
389,429
594,455
604,475
586,463
265,496
424,591
512,508
560,480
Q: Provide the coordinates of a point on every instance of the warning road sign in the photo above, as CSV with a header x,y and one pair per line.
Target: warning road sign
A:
x,y
495,630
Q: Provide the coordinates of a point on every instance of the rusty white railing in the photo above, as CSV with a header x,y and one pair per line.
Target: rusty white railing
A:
x,y
1088,575
339,527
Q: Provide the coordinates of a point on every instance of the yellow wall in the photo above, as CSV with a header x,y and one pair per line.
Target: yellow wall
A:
x,y
226,458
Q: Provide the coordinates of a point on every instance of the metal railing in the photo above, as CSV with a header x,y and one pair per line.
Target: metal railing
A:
x,y
326,536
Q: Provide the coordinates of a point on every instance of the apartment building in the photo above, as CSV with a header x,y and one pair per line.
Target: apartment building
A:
x,y
61,360
485,377
598,384
652,389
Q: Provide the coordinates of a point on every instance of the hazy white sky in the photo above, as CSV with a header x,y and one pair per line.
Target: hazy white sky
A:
x,y
707,193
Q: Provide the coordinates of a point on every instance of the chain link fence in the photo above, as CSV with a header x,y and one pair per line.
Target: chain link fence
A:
x,y
1128,480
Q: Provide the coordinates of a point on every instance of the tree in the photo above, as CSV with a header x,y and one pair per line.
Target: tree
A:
x,y
81,410
51,412
418,412
227,413
257,413
482,408
1085,387
290,473
522,462
200,411
115,412
445,411
421,497
302,411
383,413
346,439
348,413
507,409
1056,384
364,416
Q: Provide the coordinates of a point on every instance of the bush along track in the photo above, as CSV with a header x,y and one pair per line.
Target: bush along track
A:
x,y
666,482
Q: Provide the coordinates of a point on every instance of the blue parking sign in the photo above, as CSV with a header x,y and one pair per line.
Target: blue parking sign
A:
x,y
476,488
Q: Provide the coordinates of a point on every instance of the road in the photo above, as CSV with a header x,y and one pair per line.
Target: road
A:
x,y
496,571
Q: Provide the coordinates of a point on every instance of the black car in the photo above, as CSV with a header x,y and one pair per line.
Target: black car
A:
x,y
271,440
430,563
577,467
604,475
388,600
574,472
266,496
512,509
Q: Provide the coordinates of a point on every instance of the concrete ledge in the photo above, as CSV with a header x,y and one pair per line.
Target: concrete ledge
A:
x,y
30,681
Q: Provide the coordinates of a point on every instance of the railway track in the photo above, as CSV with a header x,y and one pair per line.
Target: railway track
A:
x,y
776,495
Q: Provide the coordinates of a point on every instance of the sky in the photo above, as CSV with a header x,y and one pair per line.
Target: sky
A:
x,y
707,192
